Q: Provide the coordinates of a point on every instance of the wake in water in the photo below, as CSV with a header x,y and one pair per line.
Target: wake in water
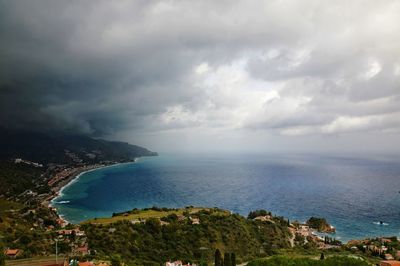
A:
x,y
380,223
62,202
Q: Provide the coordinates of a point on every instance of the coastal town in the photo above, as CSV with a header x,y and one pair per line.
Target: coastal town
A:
x,y
40,216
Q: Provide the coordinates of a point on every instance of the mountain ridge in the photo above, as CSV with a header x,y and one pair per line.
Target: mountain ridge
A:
x,y
53,147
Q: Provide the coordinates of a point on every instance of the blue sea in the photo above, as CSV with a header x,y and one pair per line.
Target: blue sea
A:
x,y
352,192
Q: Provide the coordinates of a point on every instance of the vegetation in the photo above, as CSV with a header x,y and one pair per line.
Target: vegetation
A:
x,y
373,247
330,261
257,213
16,178
2,257
165,214
20,228
319,224
181,239
218,258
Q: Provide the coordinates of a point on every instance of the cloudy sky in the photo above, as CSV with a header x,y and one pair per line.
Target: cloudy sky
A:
x,y
206,75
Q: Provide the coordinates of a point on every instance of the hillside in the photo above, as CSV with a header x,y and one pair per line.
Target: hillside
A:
x,y
158,235
47,148
330,261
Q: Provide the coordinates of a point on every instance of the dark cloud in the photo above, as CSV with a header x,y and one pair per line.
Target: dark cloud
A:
x,y
121,68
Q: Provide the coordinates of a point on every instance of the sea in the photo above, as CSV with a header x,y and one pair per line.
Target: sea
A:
x,y
354,193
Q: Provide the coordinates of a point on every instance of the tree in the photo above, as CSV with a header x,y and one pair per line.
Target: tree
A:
x,y
256,213
233,259
2,256
116,261
154,225
227,259
322,256
2,259
217,258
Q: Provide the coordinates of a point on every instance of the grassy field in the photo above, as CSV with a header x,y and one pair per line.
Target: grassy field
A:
x,y
150,213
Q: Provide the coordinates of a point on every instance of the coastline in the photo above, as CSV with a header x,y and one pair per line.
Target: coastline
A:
x,y
60,186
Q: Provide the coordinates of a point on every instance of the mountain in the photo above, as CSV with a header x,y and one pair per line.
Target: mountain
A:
x,y
45,147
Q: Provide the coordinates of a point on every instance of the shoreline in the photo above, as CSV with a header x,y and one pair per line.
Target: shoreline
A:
x,y
60,186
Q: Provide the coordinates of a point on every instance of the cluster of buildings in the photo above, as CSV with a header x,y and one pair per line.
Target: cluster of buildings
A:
x,y
380,247
19,160
76,239
61,176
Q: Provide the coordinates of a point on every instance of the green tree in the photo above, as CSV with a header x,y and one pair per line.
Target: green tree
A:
x,y
116,261
233,259
2,258
154,225
217,258
227,259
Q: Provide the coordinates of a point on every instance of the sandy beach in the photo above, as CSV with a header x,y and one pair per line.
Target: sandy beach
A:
x,y
72,177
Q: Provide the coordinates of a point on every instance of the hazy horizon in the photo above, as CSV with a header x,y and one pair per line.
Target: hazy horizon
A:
x,y
189,76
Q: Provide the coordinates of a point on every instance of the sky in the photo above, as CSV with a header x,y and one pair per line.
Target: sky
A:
x,y
273,75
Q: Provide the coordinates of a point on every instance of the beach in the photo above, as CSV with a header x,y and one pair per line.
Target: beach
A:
x,y
73,175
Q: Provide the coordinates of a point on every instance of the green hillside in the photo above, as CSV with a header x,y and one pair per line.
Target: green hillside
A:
x,y
177,237
330,261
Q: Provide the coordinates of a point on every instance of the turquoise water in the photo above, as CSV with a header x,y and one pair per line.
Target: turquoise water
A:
x,y
352,193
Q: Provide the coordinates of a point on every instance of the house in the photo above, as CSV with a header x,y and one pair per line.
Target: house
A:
x,y
178,263
175,263
181,217
195,220
304,230
12,253
50,227
398,254
79,232
65,232
390,263
86,263
84,250
164,222
135,221
62,223
102,264
388,256
263,218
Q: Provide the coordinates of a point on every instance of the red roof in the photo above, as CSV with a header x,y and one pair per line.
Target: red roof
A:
x,y
11,252
86,263
390,263
83,249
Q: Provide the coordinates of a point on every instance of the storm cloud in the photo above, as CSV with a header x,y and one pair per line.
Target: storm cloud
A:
x,y
205,73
